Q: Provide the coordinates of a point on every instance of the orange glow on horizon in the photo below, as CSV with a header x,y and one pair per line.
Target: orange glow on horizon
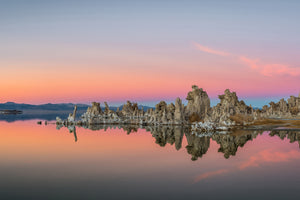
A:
x,y
135,80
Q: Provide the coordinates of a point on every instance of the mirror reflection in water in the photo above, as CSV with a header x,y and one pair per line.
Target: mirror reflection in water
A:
x,y
146,162
197,143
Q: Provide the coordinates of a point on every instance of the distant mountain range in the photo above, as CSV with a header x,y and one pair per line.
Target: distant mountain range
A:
x,y
52,107
48,106
47,111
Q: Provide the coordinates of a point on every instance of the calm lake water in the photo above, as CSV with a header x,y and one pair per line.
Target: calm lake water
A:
x,y
41,162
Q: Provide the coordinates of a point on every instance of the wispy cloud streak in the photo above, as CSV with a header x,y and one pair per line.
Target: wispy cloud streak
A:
x,y
270,69
210,50
269,156
266,69
209,174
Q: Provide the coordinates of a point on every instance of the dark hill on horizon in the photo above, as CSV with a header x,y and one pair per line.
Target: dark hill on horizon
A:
x,y
47,111
53,107
48,106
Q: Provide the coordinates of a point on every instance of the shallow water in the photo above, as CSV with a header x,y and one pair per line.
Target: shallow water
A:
x,y
40,162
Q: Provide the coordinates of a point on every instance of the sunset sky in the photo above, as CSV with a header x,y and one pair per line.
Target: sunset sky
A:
x,y
82,51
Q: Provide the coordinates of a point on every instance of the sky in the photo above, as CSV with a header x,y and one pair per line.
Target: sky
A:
x,y
146,51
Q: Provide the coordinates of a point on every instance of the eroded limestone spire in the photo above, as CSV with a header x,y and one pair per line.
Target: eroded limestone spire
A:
x,y
198,102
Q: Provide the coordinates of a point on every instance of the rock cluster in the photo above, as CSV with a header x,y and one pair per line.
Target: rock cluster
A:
x,y
166,113
95,115
223,113
130,109
95,109
162,114
282,109
131,114
229,112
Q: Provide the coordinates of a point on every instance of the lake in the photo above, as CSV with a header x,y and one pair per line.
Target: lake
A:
x,y
41,162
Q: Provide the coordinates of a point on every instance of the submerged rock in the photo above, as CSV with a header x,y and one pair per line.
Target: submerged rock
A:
x,y
59,120
198,127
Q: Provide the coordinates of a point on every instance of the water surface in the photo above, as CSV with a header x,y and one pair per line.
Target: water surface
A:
x,y
41,162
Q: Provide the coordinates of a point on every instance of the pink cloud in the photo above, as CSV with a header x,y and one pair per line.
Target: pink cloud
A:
x,y
266,69
265,156
270,69
209,50
209,174
269,156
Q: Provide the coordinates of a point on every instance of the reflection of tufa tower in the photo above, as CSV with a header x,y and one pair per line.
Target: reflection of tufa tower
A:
x,y
197,146
293,136
163,135
229,143
178,133
167,134
72,129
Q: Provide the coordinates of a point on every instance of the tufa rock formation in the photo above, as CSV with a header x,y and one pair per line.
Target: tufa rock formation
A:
x,y
230,110
72,117
179,112
282,109
165,113
95,109
198,103
129,108
226,114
